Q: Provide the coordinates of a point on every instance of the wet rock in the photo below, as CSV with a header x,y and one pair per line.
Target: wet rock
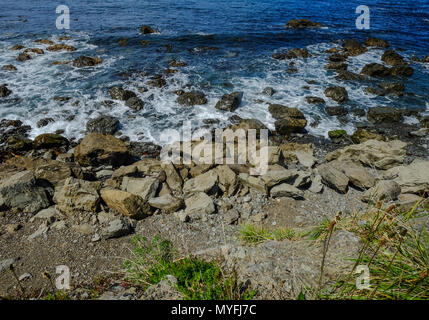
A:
x,y
402,71
116,229
4,91
157,82
61,47
338,136
425,121
336,111
349,76
103,124
125,203
19,143
384,190
229,102
118,93
199,204
85,61
9,67
192,98
123,42
98,149
375,42
391,57
23,57
135,103
338,94
147,30
302,23
44,41
286,190
268,91
177,64
333,177
298,53
337,57
339,66
34,50
17,47
44,122
375,70
77,195
392,87
50,140
362,135
314,100
379,115
21,192
289,120
353,47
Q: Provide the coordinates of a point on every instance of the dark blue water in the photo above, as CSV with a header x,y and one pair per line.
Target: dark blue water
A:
x,y
246,32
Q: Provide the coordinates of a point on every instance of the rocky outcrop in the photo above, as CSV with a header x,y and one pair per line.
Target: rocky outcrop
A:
x,y
229,102
314,100
96,149
135,103
375,42
302,23
77,195
353,48
391,57
103,124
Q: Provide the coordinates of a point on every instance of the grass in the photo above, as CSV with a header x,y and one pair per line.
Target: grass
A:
x,y
251,234
197,279
396,255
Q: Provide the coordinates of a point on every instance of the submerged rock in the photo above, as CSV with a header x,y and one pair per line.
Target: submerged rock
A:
x,y
375,70
314,100
135,103
118,93
85,61
192,98
302,23
9,67
375,42
61,47
103,124
338,94
379,115
147,29
4,91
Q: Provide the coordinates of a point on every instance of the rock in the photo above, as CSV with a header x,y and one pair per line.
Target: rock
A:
x,y
125,203
374,42
164,290
379,115
302,23
119,93
349,76
176,64
253,182
143,187
206,182
336,111
357,174
103,124
338,94
425,121
84,61
174,180
84,229
392,87
166,203
48,214
302,153
147,30
353,47
19,143
4,91
229,102
17,47
375,70
373,153
6,264
289,120
314,100
61,47
199,204
338,136
268,91
247,124
98,149
23,57
286,190
116,229
53,171
44,41
384,190
135,103
402,71
362,135
76,196
44,122
21,192
49,140
9,67
337,57
277,174
231,216
391,57
227,182
337,66
157,82
34,50
294,53
303,180
316,184
413,178
188,99
333,177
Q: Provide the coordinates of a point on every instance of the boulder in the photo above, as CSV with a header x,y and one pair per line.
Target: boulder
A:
x,y
384,190
20,191
23,57
338,136
206,182
379,115
314,100
44,122
375,70
77,195
228,182
289,120
199,204
119,93
362,135
103,124
333,177
192,98
84,61
413,178
276,174
4,91
302,153
143,187
402,71
9,67
135,103
98,149
338,94
336,111
49,140
358,175
373,153
166,203
349,76
125,203
338,66
375,42
391,57
147,30
286,190
253,182
302,23
353,47
116,229
156,82
230,102
61,47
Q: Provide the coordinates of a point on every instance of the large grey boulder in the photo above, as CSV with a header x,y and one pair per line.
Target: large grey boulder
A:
x,y
206,182
333,177
286,190
199,204
413,178
144,187
386,190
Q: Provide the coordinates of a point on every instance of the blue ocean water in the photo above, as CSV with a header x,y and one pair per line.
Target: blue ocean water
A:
x,y
247,33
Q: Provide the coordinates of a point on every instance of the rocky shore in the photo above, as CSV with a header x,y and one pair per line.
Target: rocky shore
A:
x,y
78,202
